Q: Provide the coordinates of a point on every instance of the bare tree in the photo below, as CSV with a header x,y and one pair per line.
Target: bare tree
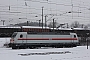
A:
x,y
85,27
51,24
75,24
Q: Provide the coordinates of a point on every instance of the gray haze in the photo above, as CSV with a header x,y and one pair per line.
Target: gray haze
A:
x,y
30,8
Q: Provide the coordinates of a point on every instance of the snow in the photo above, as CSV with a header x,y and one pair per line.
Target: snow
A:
x,y
78,28
4,41
34,27
76,53
64,28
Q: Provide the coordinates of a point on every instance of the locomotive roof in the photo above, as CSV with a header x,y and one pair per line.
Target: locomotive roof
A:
x,y
50,33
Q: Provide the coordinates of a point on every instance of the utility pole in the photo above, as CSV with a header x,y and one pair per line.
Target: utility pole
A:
x,y
53,24
72,8
67,25
3,21
39,22
42,19
27,23
87,34
45,20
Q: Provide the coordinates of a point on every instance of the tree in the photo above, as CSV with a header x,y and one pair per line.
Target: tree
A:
x,y
75,24
51,24
85,27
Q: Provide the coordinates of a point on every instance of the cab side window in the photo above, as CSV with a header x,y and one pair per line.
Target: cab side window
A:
x,y
74,36
21,36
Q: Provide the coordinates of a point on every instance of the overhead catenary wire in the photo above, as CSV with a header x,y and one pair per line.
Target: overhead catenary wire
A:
x,y
47,9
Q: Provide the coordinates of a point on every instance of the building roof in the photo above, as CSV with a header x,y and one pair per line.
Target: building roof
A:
x,y
34,27
3,26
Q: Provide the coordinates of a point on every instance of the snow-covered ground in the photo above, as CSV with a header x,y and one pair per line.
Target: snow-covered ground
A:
x,y
75,53
4,41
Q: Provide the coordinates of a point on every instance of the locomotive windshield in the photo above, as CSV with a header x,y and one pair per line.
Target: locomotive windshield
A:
x,y
13,35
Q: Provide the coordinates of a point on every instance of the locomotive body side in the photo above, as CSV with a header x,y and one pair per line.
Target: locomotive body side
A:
x,y
32,40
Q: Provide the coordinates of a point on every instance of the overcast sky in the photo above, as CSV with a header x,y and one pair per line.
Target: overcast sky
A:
x,y
12,10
